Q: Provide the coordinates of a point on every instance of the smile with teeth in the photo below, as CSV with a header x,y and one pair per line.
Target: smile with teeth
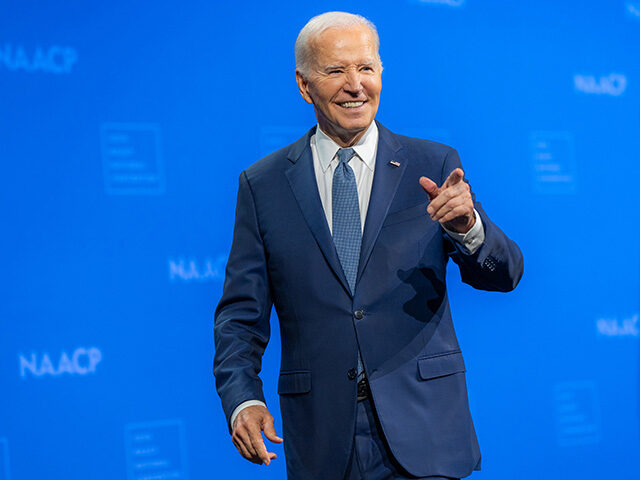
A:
x,y
350,104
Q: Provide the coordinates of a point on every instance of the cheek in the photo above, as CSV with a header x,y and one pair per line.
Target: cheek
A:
x,y
373,88
327,90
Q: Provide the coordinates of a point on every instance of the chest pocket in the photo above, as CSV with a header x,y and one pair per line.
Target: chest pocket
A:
x,y
406,214
404,234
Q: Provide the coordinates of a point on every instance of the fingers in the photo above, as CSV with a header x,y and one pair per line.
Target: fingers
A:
x,y
453,208
239,444
251,446
270,431
430,187
259,447
247,436
456,193
459,212
242,440
455,203
454,178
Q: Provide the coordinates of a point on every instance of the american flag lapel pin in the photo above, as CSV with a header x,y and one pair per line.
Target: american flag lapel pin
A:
x,y
394,163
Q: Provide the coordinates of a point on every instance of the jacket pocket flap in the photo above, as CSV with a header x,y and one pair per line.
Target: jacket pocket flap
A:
x,y
294,382
405,214
440,365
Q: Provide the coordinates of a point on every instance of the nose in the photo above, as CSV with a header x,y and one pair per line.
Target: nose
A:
x,y
353,83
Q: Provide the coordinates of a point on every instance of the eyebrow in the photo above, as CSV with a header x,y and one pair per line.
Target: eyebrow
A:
x,y
338,66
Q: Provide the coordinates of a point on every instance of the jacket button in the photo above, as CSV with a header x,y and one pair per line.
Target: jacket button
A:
x,y
359,314
352,374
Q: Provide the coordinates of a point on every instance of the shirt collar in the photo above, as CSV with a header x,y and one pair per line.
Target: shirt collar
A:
x,y
365,148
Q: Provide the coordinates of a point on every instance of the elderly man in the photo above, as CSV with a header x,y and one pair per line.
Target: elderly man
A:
x,y
348,232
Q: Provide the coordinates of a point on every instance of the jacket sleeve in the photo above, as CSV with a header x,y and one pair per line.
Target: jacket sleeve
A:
x,y
498,264
242,329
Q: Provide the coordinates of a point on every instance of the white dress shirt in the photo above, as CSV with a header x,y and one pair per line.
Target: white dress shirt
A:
x,y
363,163
325,160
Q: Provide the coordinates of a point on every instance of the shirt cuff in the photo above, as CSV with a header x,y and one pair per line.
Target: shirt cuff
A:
x,y
242,406
471,240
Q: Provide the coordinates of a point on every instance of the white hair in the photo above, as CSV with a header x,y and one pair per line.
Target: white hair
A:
x,y
320,23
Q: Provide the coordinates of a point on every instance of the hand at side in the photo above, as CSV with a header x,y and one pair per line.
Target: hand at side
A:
x,y
246,435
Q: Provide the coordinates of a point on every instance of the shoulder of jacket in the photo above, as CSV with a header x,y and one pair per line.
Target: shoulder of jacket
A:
x,y
424,147
275,161
417,148
268,163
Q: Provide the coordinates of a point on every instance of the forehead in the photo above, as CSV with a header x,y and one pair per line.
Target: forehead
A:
x,y
353,44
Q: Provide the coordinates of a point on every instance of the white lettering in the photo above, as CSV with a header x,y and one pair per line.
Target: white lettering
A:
x,y
65,365
207,270
26,364
46,366
76,361
95,356
81,362
613,84
611,327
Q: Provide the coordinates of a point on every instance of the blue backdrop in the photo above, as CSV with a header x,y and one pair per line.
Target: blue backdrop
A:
x,y
123,128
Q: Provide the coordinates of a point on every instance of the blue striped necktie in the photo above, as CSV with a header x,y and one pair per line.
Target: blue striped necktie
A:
x,y
346,227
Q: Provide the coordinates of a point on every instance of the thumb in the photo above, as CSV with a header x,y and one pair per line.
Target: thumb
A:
x,y
430,187
270,432
454,177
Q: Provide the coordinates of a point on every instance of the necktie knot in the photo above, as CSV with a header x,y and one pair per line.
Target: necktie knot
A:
x,y
345,154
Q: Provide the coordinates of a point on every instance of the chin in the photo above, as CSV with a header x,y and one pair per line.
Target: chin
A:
x,y
355,125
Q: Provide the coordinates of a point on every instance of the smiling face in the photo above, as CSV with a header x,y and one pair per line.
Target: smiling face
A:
x,y
344,82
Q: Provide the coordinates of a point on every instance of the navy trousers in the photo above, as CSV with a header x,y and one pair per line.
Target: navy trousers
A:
x,y
371,458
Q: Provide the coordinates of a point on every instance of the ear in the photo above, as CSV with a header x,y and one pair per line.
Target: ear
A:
x,y
303,86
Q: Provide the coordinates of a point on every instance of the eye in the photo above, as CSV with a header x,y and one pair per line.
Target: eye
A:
x,y
334,72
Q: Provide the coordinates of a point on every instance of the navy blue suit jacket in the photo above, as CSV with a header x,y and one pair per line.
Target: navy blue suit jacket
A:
x,y
283,255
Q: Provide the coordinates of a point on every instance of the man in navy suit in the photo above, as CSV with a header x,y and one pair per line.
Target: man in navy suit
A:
x,y
348,232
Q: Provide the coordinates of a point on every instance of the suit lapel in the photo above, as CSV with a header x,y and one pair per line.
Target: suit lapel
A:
x,y
302,180
385,183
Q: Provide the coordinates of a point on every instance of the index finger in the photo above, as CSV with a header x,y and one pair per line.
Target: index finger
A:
x,y
454,177
259,446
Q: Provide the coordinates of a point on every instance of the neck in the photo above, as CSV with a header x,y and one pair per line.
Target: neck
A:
x,y
344,138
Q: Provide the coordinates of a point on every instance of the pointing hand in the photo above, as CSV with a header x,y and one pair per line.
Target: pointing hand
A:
x,y
451,204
